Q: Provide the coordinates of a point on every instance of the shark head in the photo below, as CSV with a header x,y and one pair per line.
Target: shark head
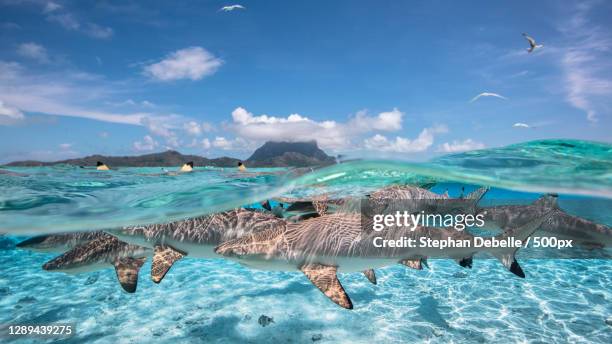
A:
x,y
36,243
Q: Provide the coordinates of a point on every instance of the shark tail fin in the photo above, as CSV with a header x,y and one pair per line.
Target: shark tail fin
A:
x,y
476,195
324,277
127,272
163,259
507,255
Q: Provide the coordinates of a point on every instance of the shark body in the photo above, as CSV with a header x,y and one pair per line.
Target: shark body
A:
x,y
342,242
560,224
102,253
196,237
58,243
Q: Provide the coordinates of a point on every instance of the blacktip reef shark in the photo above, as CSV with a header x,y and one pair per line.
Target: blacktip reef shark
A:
x,y
560,225
413,199
99,254
196,237
321,247
58,243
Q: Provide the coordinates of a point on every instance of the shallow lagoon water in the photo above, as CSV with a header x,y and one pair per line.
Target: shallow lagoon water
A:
x,y
561,300
218,301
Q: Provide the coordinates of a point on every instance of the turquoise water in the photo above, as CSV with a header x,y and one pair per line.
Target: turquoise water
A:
x,y
561,300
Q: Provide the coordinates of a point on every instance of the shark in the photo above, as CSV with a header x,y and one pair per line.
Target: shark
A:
x,y
196,237
321,247
58,243
561,225
100,253
413,199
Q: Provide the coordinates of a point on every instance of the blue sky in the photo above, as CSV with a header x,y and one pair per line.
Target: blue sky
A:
x,y
370,78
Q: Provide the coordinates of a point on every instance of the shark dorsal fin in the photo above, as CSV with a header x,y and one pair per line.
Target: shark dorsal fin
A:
x,y
324,277
369,273
163,259
416,264
127,272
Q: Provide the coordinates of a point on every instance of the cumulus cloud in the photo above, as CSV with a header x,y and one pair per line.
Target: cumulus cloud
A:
x,y
460,146
296,127
147,144
404,145
192,63
384,121
196,129
33,51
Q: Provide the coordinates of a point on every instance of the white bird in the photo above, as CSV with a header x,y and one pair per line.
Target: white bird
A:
x,y
232,7
532,43
520,125
487,94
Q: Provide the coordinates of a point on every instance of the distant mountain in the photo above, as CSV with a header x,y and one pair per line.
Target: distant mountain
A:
x,y
168,158
271,154
296,154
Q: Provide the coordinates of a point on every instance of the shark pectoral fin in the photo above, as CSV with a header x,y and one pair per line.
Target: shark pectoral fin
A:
x,y
324,277
412,263
466,262
127,272
369,273
163,259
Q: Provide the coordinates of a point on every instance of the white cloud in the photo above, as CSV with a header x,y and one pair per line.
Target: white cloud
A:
x,y
69,22
66,20
403,145
6,110
97,31
104,134
147,144
33,51
51,7
9,115
520,125
227,144
295,127
385,121
195,129
585,62
65,146
190,63
460,146
487,94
